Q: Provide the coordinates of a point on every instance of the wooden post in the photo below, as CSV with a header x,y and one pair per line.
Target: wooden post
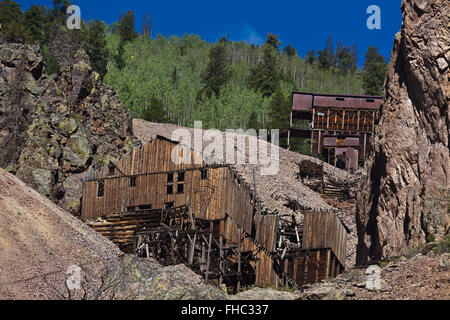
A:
x,y
314,113
172,250
319,143
333,267
289,133
306,268
239,262
359,119
365,145
328,263
317,265
373,121
191,216
208,257
192,249
221,260
328,120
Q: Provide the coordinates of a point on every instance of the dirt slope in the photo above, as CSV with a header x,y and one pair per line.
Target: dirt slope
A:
x,y
421,277
38,238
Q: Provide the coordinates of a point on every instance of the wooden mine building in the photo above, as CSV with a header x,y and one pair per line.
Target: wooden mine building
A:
x,y
208,218
339,126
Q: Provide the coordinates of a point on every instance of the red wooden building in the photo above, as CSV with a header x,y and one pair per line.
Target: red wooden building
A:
x,y
339,126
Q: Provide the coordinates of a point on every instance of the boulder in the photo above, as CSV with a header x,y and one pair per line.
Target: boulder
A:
x,y
264,294
141,279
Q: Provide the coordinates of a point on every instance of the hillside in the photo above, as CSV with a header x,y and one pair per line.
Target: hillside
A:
x,y
39,241
165,74
47,239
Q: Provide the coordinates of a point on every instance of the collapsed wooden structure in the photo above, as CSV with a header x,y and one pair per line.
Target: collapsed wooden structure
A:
x,y
209,218
313,176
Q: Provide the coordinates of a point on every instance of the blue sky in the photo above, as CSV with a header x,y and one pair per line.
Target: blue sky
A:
x,y
303,24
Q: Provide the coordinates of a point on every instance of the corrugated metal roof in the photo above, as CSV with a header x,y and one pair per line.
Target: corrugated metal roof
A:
x,y
306,101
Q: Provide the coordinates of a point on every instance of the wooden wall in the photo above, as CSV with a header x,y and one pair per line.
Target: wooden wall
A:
x,y
334,119
155,156
264,271
239,202
205,197
312,266
324,230
150,166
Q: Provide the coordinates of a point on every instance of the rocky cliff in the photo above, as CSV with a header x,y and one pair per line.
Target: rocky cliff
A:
x,y
404,197
55,129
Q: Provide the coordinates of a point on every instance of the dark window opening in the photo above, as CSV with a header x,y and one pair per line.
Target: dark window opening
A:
x,y
112,170
181,176
133,181
168,205
101,188
170,189
180,188
340,99
146,207
216,227
204,175
340,163
170,177
370,100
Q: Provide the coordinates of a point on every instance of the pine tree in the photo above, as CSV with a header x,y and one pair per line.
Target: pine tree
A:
x,y
218,71
11,21
253,122
127,30
290,51
344,59
147,26
155,111
311,57
118,59
37,22
326,57
272,40
174,75
96,46
279,111
355,55
59,10
265,77
374,72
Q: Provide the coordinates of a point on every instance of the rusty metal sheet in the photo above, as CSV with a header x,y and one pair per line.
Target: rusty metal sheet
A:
x,y
347,102
306,101
352,142
302,102
329,142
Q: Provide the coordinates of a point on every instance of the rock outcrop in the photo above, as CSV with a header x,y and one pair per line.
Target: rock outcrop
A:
x,y
404,196
55,129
